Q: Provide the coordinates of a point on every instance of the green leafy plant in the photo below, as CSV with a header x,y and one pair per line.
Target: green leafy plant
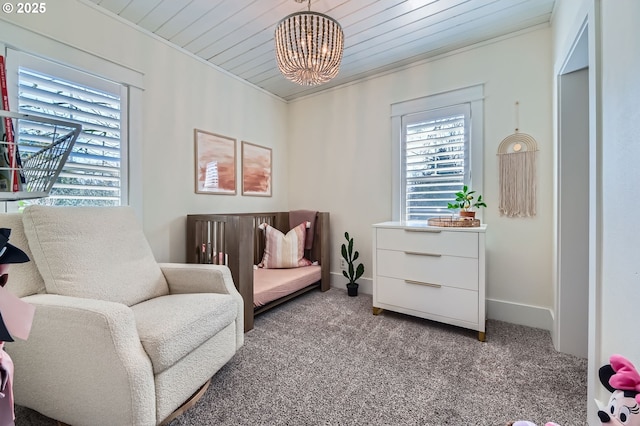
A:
x,y
465,200
350,256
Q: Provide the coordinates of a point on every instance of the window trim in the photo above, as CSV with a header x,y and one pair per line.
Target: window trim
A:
x,y
45,47
19,59
474,96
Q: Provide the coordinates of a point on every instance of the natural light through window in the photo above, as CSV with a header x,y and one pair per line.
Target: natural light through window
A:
x,y
92,174
437,149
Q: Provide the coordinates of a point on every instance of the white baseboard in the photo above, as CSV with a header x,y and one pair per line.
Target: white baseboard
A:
x,y
339,281
518,313
515,313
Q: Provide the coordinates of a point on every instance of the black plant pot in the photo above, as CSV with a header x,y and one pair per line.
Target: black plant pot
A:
x,y
352,290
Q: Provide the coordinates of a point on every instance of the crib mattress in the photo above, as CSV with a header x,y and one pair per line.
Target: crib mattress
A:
x,y
272,284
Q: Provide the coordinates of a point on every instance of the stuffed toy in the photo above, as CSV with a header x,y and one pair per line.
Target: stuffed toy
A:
x,y
526,423
15,320
621,378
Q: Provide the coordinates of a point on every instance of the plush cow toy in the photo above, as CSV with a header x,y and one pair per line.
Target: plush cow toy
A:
x,y
621,378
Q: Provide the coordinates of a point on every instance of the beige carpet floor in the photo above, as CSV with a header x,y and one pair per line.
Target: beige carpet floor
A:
x,y
324,359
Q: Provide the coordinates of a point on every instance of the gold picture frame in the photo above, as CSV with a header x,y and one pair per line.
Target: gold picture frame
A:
x,y
256,170
215,165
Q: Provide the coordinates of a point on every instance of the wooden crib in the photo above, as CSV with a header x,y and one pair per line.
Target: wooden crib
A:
x,y
236,241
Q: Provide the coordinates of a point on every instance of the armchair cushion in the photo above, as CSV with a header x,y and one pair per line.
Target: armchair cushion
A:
x,y
188,320
115,264
199,278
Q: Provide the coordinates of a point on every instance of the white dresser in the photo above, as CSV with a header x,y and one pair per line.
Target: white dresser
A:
x,y
437,273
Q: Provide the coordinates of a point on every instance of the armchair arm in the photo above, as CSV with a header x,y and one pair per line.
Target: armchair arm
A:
x,y
87,351
198,278
205,278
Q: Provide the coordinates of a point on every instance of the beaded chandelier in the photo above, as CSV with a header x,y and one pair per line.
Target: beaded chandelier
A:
x,y
309,47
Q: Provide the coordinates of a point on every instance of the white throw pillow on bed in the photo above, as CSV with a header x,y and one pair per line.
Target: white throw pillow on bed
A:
x,y
284,251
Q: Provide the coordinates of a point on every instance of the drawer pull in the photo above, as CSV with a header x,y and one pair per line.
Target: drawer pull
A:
x,y
434,231
423,254
423,283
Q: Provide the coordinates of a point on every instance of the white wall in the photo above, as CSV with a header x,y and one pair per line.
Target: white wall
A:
x,y
180,93
570,334
341,144
619,295
614,128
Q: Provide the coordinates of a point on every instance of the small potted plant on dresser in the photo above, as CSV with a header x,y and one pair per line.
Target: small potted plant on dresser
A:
x,y
465,202
352,273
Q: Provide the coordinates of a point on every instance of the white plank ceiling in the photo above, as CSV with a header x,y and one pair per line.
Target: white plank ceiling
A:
x,y
380,35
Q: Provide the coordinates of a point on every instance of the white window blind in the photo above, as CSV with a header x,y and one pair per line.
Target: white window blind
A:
x,y
435,154
437,147
92,174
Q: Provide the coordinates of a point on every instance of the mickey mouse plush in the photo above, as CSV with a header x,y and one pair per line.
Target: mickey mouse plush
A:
x,y
621,378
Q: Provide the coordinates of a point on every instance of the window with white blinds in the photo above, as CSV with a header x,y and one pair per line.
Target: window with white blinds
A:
x,y
437,145
92,175
435,151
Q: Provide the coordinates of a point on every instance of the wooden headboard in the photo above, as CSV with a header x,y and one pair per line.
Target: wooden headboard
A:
x,y
236,241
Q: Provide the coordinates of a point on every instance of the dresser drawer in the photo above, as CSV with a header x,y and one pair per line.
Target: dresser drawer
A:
x,y
446,302
460,272
424,240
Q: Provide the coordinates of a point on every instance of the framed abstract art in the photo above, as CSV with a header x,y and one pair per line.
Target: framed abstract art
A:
x,y
256,170
215,163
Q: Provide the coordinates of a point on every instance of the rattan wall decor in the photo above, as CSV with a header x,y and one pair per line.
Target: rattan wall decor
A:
x,y
517,154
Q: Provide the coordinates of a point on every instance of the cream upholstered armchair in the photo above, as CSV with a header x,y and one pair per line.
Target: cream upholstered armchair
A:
x,y
117,339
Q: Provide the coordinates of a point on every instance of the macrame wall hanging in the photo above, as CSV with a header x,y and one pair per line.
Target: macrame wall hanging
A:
x,y
517,154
